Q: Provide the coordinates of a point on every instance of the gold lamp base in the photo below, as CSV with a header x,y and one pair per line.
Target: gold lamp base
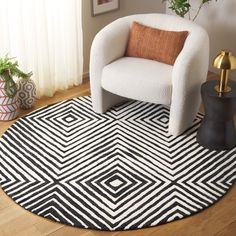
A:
x,y
226,90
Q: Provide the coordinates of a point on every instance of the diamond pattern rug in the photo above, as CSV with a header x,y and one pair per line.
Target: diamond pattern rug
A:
x,y
117,171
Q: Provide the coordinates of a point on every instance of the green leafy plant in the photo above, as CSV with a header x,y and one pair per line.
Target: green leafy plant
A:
x,y
182,7
8,69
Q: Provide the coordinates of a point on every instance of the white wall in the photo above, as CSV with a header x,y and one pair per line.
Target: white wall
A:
x,y
91,25
219,19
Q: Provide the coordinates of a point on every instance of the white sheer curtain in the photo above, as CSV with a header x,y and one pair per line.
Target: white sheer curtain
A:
x,y
46,37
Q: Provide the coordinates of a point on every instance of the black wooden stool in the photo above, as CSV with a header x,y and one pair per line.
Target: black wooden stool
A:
x,y
217,130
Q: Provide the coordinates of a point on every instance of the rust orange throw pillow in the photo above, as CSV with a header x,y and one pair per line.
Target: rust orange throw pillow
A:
x,y
155,44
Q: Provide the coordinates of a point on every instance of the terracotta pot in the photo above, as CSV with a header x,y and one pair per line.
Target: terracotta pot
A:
x,y
26,93
9,108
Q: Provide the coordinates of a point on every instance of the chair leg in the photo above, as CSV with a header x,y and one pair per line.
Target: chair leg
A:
x,y
182,119
103,100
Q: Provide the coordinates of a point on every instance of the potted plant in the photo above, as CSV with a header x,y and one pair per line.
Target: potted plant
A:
x,y
182,7
9,107
26,92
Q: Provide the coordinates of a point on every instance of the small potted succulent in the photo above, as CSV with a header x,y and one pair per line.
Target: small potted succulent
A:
x,y
9,107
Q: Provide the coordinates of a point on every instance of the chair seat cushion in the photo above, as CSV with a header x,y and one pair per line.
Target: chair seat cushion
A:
x,y
139,79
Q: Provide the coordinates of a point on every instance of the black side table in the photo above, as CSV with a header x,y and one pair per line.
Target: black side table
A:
x,y
217,130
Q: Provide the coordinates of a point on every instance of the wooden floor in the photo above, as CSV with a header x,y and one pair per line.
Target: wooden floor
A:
x,y
218,220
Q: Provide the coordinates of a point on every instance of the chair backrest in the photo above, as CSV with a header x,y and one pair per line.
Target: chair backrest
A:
x,y
168,22
164,21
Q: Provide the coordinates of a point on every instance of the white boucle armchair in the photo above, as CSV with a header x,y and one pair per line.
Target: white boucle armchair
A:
x,y
115,78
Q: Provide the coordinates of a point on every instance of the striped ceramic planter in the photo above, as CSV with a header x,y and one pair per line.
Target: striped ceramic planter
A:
x,y
9,108
26,93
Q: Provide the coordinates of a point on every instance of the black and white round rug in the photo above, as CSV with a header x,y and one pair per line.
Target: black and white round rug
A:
x,y
116,171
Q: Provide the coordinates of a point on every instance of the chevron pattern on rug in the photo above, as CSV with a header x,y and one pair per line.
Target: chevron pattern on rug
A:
x,y
115,171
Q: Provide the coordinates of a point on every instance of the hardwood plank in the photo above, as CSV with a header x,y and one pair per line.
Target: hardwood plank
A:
x,y
4,200
3,233
9,214
71,232
46,227
20,223
67,230
30,231
229,230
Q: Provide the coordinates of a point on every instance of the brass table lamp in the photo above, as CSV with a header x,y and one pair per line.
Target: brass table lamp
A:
x,y
225,61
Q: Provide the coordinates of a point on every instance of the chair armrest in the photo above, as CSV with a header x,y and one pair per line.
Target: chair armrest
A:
x,y
189,72
108,45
